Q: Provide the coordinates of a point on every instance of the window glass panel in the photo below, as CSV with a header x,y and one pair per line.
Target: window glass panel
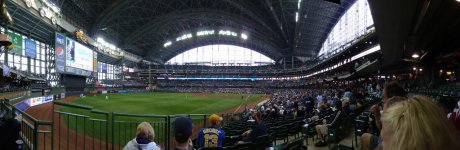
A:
x,y
356,22
221,55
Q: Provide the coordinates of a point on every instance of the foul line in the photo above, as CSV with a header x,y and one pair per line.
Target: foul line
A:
x,y
245,100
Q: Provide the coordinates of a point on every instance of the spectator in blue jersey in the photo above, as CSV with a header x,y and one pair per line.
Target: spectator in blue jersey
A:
x,y
319,100
212,136
347,93
258,130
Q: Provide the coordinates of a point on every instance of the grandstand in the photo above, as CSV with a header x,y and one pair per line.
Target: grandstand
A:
x,y
282,75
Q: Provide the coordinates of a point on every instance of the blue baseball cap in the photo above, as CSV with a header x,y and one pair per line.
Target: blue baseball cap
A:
x,y
183,127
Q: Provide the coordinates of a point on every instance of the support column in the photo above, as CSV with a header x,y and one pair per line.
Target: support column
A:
x,y
28,65
150,75
5,51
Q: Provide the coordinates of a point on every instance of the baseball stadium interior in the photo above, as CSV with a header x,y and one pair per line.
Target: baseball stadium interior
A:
x,y
229,74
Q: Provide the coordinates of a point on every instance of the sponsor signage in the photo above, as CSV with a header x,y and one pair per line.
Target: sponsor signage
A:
x,y
16,39
60,52
30,48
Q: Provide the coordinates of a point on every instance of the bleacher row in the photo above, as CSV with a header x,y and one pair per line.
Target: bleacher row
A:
x,y
448,90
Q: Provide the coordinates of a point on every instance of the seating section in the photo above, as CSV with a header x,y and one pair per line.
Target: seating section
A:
x,y
446,95
447,90
287,131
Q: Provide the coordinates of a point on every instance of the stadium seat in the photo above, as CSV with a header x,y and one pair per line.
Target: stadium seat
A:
x,y
244,146
341,147
281,133
294,128
295,145
360,128
262,142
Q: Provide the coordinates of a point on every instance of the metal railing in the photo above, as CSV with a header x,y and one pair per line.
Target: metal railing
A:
x,y
88,129
74,126
35,134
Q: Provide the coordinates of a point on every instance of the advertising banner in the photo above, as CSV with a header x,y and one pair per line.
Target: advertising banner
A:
x,y
35,101
17,41
60,54
48,99
122,91
62,95
30,48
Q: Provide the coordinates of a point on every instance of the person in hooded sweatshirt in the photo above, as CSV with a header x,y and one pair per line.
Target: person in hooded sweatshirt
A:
x,y
144,139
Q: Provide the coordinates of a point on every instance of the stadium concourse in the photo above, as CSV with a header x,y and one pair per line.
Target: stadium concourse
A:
x,y
229,74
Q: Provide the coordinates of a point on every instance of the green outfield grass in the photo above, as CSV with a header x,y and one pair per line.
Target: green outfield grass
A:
x,y
165,103
148,103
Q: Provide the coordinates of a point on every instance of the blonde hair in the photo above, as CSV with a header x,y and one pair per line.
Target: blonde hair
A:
x,y
144,129
418,123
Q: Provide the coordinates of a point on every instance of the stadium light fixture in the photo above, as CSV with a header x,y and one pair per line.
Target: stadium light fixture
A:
x,y
415,56
244,36
167,44
296,16
415,68
183,37
458,0
365,53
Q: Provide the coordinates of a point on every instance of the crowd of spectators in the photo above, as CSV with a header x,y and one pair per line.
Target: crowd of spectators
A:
x,y
309,105
217,90
10,84
326,108
231,83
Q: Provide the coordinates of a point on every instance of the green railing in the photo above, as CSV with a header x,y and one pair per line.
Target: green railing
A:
x,y
87,128
114,130
80,131
36,134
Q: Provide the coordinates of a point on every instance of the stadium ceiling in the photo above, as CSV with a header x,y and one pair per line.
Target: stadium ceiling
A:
x,y
143,26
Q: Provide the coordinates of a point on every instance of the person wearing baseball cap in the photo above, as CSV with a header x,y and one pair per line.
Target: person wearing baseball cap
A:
x,y
212,136
183,127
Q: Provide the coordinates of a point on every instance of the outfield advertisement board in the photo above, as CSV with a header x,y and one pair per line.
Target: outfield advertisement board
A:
x,y
24,105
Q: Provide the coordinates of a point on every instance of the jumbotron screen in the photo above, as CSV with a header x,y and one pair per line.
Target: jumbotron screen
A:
x,y
73,57
78,56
